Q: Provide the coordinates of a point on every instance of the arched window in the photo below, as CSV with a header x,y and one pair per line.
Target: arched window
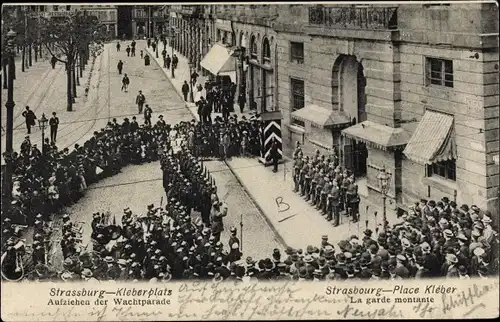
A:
x,y
266,51
253,47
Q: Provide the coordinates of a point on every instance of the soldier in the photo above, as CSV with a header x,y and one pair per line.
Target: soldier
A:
x,y
324,196
352,200
335,202
234,246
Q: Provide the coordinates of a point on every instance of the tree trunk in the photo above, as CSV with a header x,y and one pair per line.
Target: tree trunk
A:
x,y
75,71
23,58
81,66
73,82
36,52
30,55
69,88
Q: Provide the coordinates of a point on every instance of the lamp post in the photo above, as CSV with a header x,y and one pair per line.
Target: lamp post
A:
x,y
9,105
172,38
191,96
42,123
384,182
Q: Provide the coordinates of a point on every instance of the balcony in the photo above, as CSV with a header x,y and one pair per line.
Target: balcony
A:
x,y
371,18
192,11
51,14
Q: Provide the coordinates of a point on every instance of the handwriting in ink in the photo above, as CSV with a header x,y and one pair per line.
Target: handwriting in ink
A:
x,y
280,202
467,298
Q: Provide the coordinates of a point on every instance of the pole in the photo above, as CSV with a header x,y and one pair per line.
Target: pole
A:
x,y
43,140
241,231
191,96
384,214
10,123
171,44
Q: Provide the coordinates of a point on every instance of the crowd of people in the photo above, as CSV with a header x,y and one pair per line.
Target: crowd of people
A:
x,y
436,239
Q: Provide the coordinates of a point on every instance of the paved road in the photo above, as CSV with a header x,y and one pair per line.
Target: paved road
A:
x,y
258,238
138,186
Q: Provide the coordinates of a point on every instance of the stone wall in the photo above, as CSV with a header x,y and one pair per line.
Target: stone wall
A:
x,y
473,101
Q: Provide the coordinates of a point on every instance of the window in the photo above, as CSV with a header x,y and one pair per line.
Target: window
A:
x,y
297,89
68,8
439,72
253,47
266,51
55,8
42,8
297,52
445,169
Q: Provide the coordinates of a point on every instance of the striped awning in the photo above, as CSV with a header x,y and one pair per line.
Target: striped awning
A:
x,y
378,135
218,60
433,140
320,116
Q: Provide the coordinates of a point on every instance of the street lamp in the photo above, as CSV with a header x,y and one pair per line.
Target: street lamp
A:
x,y
384,182
191,97
42,123
9,105
172,38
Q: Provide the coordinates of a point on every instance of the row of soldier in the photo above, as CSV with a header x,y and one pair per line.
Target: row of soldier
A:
x,y
322,182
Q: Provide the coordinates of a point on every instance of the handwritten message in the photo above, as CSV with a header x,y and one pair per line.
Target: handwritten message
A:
x,y
293,300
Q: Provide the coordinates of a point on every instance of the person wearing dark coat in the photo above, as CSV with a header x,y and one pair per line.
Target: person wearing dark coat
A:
x,y
54,124
53,61
30,118
185,90
275,155
241,101
120,67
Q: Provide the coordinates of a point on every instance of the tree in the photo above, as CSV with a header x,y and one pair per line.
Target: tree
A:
x,y
66,35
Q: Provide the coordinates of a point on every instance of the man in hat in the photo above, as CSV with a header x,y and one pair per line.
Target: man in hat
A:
x,y
367,239
140,100
148,112
452,260
334,199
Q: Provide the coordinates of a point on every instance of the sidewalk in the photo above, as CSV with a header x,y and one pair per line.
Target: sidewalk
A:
x,y
295,220
182,74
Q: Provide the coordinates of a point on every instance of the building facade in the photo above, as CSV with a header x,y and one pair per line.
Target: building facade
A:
x,y
397,87
107,14
149,20
192,31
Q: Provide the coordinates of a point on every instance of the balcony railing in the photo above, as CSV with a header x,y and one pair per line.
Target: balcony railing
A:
x,y
354,17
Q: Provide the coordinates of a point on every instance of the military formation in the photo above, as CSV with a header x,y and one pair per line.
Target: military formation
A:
x,y
321,181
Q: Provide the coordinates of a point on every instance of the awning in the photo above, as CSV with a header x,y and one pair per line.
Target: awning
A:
x,y
433,140
377,135
218,60
320,116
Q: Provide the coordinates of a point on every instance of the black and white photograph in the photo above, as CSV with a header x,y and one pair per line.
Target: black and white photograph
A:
x,y
250,142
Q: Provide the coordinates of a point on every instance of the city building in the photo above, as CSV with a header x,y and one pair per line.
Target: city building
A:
x,y
400,87
149,20
107,14
192,31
